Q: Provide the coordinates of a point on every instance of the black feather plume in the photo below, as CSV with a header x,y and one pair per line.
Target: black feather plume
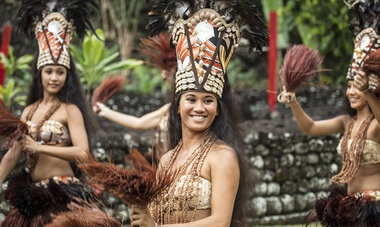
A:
x,y
77,11
164,13
367,15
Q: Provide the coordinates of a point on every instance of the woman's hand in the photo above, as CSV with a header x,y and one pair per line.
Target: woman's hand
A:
x,y
361,81
140,216
286,97
29,145
100,109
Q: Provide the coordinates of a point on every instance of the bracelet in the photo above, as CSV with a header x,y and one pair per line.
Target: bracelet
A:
x,y
35,147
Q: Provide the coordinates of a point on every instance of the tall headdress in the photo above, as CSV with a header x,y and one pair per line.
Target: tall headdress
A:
x,y
159,51
366,28
206,33
53,23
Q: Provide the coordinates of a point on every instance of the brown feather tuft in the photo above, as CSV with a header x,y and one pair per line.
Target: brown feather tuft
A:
x,y
11,127
138,185
84,217
300,63
372,63
159,51
108,88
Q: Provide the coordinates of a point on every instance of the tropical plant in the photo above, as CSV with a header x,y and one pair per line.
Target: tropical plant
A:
x,y
14,90
146,80
323,25
10,93
95,62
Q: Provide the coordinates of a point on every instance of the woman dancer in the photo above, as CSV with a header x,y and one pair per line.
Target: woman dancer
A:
x,y
162,56
360,145
209,183
58,118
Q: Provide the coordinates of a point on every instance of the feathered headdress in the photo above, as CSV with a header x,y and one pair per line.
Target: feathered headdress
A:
x,y
206,33
53,21
159,51
366,28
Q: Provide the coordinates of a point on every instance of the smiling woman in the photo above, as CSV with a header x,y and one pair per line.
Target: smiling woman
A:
x,y
360,145
204,157
58,119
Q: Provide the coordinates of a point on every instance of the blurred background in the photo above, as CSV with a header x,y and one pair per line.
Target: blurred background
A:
x,y
289,170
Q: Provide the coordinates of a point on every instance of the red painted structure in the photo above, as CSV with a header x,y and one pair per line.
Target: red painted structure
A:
x,y
5,40
272,60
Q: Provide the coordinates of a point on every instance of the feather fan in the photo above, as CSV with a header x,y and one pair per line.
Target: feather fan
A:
x,y
84,217
165,13
300,63
11,127
138,185
107,89
78,11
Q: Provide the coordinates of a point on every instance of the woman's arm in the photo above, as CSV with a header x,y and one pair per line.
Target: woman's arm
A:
x,y
9,161
361,82
147,121
12,156
78,151
308,125
225,175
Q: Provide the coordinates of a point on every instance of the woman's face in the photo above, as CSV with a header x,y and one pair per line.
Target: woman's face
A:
x,y
197,110
356,97
53,78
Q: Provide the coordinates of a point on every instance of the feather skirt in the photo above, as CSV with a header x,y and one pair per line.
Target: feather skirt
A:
x,y
342,209
37,203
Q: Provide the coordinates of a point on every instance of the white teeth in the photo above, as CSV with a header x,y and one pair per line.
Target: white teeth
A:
x,y
198,117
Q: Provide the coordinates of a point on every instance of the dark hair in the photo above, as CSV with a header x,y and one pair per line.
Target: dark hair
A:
x,y
225,127
71,92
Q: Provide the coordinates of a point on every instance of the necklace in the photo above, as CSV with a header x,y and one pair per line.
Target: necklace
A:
x,y
32,158
351,157
174,203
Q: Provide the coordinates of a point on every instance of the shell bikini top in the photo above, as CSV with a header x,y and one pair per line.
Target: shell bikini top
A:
x,y
51,132
371,152
198,189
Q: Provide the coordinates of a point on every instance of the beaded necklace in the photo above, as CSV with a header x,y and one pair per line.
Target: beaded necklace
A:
x,y
165,202
32,158
351,157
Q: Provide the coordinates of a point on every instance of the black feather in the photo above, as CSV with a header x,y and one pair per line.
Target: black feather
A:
x,y
367,15
77,11
242,12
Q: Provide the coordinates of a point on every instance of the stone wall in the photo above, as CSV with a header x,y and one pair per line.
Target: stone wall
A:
x,y
289,170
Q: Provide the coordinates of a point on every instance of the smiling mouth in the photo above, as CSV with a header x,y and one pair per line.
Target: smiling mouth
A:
x,y
198,118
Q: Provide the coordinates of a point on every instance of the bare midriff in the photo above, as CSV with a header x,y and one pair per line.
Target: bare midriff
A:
x,y
48,166
200,214
366,178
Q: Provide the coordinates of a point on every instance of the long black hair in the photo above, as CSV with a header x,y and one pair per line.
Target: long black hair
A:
x,y
226,128
71,92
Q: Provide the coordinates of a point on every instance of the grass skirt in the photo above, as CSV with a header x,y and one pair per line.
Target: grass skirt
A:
x,y
38,203
342,209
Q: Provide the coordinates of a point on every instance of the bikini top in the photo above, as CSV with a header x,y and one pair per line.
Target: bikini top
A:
x,y
371,152
198,189
52,132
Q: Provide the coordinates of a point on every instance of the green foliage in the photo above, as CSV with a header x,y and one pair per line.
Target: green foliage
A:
x,y
146,80
323,25
16,65
10,93
95,62
17,78
240,78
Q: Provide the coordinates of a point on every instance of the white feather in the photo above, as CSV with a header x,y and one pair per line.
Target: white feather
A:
x,y
181,9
